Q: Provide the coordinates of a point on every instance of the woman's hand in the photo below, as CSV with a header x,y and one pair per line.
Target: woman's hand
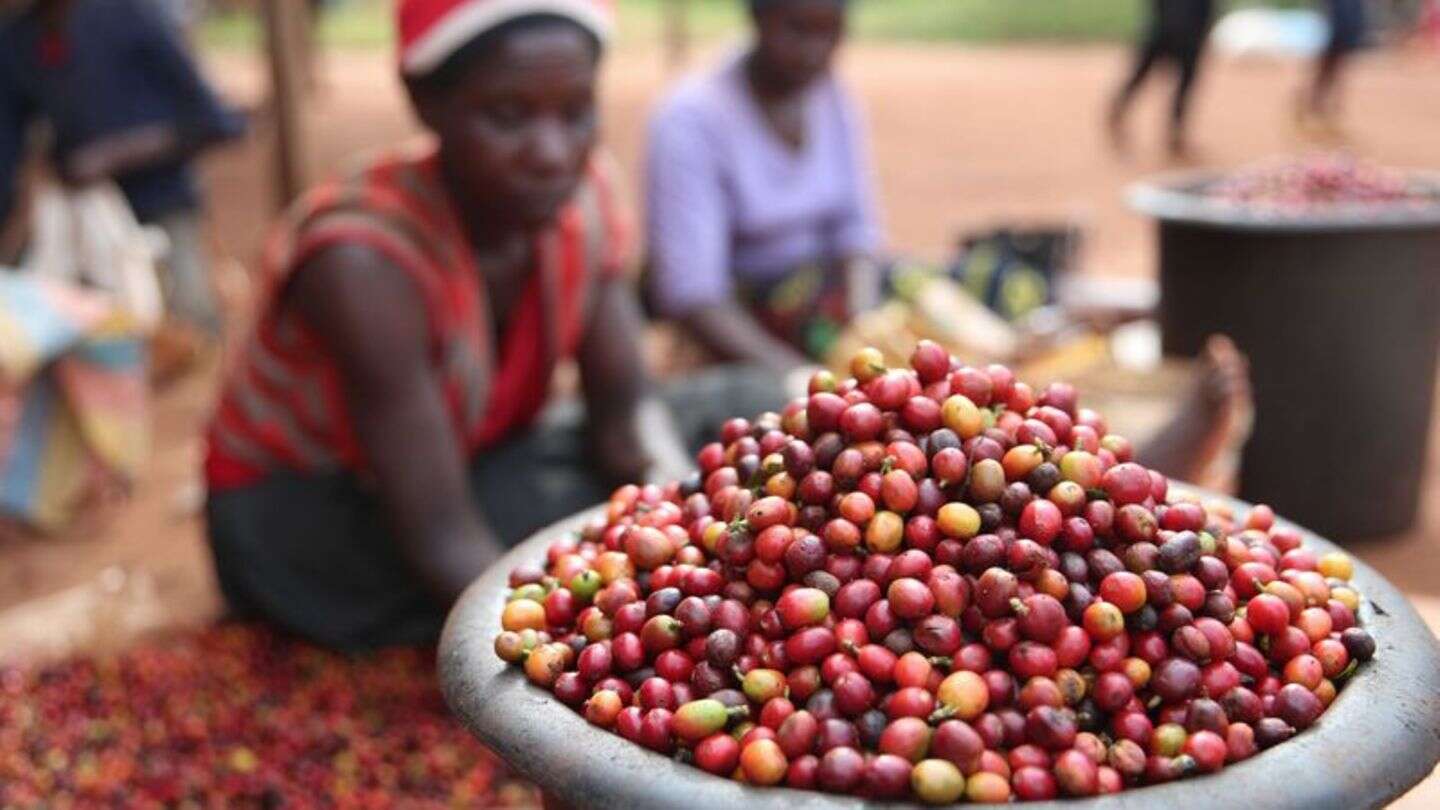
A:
x,y
732,334
631,433
864,284
117,154
644,448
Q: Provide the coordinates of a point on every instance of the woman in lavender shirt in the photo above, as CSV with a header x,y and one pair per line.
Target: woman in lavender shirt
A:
x,y
762,228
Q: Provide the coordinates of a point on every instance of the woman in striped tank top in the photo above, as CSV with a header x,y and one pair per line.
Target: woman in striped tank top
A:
x,y
363,463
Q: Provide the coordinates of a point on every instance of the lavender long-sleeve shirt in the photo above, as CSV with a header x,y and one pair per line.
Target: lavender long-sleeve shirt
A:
x,y
727,199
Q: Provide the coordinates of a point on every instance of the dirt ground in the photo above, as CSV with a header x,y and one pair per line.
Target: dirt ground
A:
x,y
962,137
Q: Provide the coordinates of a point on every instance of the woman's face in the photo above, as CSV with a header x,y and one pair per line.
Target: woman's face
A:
x,y
517,129
796,40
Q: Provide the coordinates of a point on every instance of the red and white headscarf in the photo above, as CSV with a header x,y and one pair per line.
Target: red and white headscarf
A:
x,y
430,31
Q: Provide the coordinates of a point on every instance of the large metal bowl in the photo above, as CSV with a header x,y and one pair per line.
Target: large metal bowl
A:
x,y
1378,739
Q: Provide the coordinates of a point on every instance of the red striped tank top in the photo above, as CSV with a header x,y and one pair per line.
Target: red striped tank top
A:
x,y
282,403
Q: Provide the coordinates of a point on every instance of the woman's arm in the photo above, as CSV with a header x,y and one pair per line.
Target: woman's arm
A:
x,y
123,152
858,233
369,314
732,334
632,435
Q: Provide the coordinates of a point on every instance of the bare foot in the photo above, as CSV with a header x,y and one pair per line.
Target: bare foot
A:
x,y
1202,443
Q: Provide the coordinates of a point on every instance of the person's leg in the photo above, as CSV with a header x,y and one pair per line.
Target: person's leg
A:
x,y
1322,88
1187,66
188,288
312,554
1148,51
1146,55
1348,26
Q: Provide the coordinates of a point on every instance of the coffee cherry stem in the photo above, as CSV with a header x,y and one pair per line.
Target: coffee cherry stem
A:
x,y
1185,764
941,714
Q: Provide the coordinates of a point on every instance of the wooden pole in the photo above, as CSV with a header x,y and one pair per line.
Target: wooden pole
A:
x,y
676,34
286,24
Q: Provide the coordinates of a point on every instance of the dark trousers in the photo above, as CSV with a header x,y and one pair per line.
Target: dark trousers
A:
x,y
313,554
1176,34
1348,25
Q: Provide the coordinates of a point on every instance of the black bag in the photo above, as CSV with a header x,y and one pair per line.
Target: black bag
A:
x,y
1014,270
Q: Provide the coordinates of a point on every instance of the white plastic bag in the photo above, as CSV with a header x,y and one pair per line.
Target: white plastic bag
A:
x,y
91,238
1270,32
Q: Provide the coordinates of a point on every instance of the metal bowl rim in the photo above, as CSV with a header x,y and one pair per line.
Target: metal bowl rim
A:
x,y
1173,198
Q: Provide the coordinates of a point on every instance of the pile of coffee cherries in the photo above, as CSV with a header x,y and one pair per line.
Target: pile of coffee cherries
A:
x,y
935,583
240,716
1317,183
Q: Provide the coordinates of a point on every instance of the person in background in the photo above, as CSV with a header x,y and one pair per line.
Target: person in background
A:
x,y
762,231
124,102
1349,25
183,15
376,444
1176,34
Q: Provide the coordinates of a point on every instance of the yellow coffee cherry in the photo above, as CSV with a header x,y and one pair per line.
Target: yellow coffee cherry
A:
x,y
937,781
962,416
523,614
958,520
1337,565
1347,597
